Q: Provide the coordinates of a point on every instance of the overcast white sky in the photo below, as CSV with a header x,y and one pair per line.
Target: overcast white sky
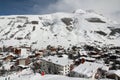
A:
x,y
109,8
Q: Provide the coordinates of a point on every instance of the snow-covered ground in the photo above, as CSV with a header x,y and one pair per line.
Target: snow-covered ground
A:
x,y
28,75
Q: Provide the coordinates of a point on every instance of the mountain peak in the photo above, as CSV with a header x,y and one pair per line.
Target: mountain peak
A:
x,y
79,11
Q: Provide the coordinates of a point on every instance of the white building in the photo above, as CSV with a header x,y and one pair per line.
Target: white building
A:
x,y
87,69
56,65
114,74
24,52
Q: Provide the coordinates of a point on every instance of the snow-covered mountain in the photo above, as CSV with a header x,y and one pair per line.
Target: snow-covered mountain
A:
x,y
80,27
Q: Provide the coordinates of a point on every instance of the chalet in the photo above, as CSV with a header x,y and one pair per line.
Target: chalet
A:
x,y
18,67
94,54
84,71
20,64
88,59
21,51
21,67
56,65
61,51
17,51
53,50
39,54
23,61
83,53
41,50
8,58
74,54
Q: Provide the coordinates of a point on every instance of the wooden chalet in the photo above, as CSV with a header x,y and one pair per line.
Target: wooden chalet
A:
x,y
23,61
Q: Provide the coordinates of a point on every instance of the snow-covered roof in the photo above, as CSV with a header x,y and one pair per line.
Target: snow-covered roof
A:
x,y
117,72
58,60
89,68
8,65
23,51
12,54
24,56
82,52
88,58
95,56
23,66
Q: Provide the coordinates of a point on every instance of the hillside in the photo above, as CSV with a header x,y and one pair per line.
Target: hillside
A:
x,y
77,28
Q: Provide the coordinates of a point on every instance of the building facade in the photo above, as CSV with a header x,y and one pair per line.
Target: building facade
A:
x,y
56,65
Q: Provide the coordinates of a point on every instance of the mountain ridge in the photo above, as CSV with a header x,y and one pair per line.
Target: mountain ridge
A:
x,y
77,28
